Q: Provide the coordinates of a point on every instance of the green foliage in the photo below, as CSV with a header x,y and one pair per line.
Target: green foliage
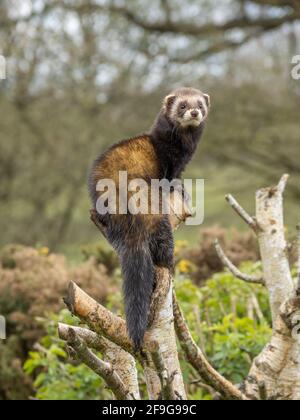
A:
x,y
56,378
221,319
225,323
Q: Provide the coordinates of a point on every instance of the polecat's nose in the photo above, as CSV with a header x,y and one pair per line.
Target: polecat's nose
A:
x,y
195,113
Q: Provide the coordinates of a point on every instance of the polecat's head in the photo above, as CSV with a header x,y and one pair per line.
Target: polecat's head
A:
x,y
186,107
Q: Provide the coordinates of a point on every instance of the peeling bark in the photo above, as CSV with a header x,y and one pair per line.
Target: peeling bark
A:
x,y
273,246
103,369
120,360
162,332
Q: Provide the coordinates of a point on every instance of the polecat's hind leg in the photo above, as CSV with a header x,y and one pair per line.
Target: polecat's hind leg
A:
x,y
162,244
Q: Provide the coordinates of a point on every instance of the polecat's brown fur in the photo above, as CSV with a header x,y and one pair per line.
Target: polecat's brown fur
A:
x,y
145,240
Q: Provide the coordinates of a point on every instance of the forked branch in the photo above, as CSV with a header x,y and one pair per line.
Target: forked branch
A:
x,y
100,367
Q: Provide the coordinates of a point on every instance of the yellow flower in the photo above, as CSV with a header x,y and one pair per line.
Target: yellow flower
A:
x,y
44,251
180,246
185,266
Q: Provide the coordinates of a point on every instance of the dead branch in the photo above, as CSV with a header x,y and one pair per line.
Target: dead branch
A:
x,y
91,339
121,361
233,269
283,183
97,317
242,213
100,367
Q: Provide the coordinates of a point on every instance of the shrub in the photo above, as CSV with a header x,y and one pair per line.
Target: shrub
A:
x,y
104,255
32,284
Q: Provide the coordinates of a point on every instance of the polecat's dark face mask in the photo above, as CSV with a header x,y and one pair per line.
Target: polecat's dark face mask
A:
x,y
187,109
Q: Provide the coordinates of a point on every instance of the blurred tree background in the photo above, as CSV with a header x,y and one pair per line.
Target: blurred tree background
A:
x,y
82,74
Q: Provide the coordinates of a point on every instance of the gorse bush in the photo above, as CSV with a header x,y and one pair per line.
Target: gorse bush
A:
x,y
228,318
104,255
32,284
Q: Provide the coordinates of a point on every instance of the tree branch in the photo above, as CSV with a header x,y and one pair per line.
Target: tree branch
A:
x,y
242,213
92,340
215,48
99,319
233,269
184,28
100,367
282,183
121,361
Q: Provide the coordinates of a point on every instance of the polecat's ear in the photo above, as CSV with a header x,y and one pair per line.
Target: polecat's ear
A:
x,y
169,101
207,99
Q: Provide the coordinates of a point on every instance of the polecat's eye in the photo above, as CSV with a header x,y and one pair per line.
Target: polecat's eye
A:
x,y
182,106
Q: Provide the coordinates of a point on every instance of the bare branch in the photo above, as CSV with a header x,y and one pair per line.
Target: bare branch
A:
x,y
233,269
282,183
197,359
100,367
92,340
215,48
121,361
99,319
186,28
242,213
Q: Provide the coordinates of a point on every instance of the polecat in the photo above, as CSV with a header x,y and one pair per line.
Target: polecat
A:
x,y
144,241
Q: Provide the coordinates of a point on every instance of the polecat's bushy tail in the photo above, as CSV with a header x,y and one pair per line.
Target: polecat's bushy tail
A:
x,y
138,283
